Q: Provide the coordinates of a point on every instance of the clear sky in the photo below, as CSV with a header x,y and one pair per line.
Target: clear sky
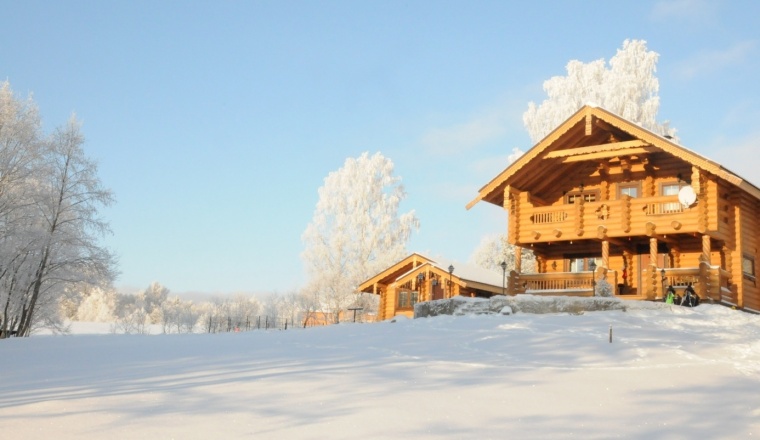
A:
x,y
215,122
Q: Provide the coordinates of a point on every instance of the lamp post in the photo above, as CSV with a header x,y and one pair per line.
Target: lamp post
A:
x,y
451,271
504,277
592,266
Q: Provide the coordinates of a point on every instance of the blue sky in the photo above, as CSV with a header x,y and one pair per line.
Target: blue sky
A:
x,y
215,122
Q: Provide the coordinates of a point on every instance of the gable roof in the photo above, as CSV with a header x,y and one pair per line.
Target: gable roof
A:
x,y
404,270
592,124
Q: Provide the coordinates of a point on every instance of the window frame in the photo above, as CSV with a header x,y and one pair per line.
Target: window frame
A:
x,y
406,299
751,274
625,185
586,261
570,197
663,185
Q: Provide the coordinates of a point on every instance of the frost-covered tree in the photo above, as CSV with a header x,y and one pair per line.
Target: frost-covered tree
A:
x,y
356,229
495,249
628,87
153,298
178,316
97,305
50,196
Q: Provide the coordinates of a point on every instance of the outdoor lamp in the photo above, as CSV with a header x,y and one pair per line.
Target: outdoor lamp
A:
x,y
451,288
503,277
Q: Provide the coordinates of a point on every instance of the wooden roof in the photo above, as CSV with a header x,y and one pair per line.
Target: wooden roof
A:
x,y
406,269
592,133
389,275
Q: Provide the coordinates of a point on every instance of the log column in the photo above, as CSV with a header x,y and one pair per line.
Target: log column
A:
x,y
653,277
518,259
381,307
606,254
703,290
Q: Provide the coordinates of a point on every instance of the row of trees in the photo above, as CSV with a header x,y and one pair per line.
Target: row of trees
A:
x,y
156,307
50,197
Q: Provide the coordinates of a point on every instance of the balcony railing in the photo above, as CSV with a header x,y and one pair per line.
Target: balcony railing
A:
x,y
619,217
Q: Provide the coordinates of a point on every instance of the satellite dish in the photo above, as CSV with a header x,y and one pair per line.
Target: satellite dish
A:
x,y
687,196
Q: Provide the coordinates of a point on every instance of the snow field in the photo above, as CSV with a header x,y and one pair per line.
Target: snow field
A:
x,y
669,373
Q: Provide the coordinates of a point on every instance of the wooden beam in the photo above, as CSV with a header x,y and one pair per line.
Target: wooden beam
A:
x,y
638,151
615,146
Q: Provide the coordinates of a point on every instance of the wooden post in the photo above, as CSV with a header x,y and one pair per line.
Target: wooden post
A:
x,y
706,247
381,306
513,283
653,275
606,254
579,201
704,288
518,259
625,213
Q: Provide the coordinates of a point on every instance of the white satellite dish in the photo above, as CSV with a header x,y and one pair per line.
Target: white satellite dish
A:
x,y
687,196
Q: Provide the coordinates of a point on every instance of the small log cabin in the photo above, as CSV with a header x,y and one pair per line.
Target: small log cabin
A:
x,y
647,212
417,278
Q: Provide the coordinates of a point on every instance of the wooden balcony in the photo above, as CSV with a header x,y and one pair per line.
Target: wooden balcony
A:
x,y
615,218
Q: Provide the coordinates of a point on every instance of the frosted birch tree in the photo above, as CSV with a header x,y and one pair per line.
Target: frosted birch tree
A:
x,y
628,87
495,249
50,195
356,230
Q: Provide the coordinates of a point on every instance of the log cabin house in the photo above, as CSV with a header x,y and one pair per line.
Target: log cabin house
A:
x,y
646,211
417,278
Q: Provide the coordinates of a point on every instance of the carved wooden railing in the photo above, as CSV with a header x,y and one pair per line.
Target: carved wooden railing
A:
x,y
550,214
659,205
644,215
710,282
560,283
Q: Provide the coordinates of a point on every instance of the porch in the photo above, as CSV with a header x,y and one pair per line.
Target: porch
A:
x,y
710,282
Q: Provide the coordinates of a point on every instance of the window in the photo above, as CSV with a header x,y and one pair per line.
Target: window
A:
x,y
629,189
407,299
581,264
588,197
670,189
748,267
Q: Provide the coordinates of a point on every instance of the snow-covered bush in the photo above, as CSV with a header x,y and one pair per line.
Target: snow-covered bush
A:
x,y
603,288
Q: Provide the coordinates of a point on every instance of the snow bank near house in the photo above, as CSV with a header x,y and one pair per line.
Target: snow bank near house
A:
x,y
527,303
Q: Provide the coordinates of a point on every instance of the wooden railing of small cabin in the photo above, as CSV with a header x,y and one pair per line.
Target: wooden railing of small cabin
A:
x,y
619,217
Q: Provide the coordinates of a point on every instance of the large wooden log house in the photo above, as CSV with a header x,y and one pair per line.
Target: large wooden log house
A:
x,y
646,211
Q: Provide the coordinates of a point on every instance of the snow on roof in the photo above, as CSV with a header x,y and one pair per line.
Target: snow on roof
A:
x,y
464,271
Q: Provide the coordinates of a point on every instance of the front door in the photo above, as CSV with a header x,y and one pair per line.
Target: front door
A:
x,y
645,259
437,291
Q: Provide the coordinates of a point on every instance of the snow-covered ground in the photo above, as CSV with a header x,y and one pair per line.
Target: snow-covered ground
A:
x,y
670,373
